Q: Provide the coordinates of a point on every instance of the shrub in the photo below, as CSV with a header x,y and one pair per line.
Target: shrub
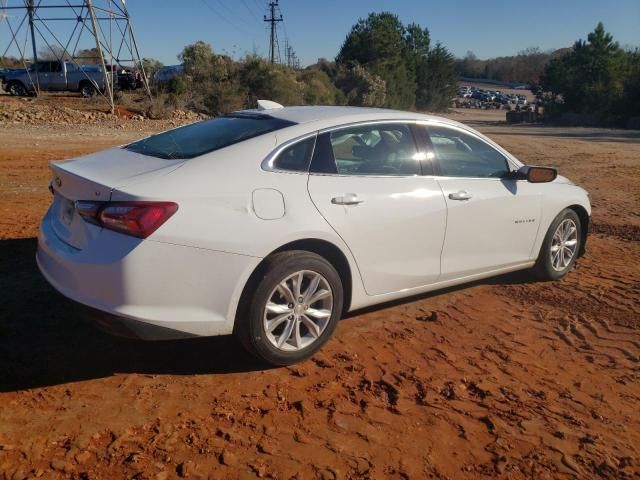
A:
x,y
318,89
262,80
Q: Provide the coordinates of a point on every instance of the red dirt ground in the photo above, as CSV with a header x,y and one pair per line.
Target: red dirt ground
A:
x,y
505,378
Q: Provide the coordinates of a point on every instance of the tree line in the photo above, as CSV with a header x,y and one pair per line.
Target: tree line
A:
x,y
525,67
597,79
382,63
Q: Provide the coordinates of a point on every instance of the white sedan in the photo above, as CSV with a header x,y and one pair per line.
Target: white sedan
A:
x,y
272,223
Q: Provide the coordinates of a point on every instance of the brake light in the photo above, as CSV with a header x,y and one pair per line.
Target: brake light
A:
x,y
139,219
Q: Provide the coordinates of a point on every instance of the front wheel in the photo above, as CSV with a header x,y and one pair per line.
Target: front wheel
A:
x,y
294,309
560,247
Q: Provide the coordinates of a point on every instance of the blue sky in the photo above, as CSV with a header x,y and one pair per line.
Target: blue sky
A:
x,y
317,28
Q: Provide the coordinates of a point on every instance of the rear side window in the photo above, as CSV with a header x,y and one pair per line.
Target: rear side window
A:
x,y
460,154
296,157
207,136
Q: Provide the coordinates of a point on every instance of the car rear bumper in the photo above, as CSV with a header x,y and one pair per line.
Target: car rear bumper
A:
x,y
157,290
129,328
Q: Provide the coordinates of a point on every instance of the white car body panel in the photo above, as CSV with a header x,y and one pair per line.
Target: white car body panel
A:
x,y
496,227
389,261
406,238
160,284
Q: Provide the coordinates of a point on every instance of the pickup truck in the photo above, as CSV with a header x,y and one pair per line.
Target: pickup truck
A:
x,y
54,76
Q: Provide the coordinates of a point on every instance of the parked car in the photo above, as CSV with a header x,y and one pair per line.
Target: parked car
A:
x,y
465,92
272,223
54,76
168,73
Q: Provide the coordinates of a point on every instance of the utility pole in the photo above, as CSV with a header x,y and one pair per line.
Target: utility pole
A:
x,y
273,20
287,52
30,8
292,58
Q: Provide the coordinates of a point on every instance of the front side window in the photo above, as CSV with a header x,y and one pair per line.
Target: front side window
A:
x,y
207,136
296,157
379,149
460,154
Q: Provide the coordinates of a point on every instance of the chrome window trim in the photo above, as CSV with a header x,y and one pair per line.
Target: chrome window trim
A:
x,y
267,163
365,123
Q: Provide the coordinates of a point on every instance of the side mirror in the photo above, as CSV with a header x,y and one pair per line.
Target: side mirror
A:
x,y
535,174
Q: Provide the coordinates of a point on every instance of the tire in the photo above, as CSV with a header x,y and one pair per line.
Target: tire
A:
x,y
552,263
17,89
287,315
87,90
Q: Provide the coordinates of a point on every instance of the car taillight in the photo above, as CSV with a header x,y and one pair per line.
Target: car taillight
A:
x,y
139,219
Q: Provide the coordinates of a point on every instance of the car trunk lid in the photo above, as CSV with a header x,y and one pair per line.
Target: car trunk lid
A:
x,y
93,178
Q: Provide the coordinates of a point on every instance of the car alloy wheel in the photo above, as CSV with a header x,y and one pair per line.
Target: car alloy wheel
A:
x,y
564,244
298,311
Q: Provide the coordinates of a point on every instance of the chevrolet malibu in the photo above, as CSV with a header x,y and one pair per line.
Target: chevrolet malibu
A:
x,y
272,223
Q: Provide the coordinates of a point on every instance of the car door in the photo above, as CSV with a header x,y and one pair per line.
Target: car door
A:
x,y
44,75
367,183
492,219
57,78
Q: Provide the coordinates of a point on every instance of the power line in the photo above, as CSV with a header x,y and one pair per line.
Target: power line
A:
x,y
258,5
234,14
224,18
246,5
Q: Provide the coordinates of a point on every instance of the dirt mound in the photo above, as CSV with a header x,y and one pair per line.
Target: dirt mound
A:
x,y
36,112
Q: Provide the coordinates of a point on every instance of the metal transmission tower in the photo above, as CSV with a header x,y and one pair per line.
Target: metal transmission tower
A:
x,y
274,50
83,32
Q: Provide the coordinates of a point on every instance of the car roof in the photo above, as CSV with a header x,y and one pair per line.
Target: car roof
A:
x,y
333,115
309,118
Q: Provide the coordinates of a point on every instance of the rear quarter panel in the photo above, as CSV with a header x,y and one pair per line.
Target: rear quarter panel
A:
x,y
216,212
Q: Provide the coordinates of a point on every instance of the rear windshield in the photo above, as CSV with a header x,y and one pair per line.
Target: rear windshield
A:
x,y
206,136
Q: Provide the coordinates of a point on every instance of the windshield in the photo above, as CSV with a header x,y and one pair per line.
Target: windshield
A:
x,y
203,137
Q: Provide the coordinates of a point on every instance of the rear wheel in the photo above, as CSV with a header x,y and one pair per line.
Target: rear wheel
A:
x,y
560,247
17,89
87,90
294,308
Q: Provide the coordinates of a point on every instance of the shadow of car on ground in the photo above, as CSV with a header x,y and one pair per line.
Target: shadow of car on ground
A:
x,y
46,340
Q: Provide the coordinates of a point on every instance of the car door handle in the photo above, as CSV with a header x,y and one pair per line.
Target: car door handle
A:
x,y
460,195
348,199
